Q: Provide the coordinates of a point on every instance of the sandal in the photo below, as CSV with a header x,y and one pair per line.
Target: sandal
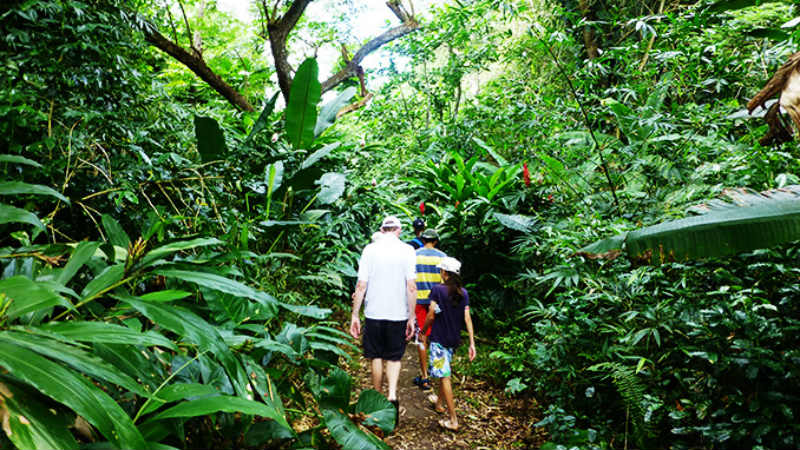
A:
x,y
448,425
417,381
425,384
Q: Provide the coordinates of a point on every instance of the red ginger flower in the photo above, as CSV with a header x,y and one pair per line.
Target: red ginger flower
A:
x,y
422,207
526,175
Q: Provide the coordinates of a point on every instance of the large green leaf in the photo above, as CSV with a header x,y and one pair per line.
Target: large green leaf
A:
x,y
107,333
196,331
273,177
152,256
348,434
261,122
746,221
74,391
516,222
301,112
238,289
335,390
210,139
83,252
31,424
332,187
103,281
379,412
16,159
319,154
178,391
116,235
11,214
76,358
16,187
221,403
327,114
28,296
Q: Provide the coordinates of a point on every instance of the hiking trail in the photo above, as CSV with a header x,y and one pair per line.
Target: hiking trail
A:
x,y
487,417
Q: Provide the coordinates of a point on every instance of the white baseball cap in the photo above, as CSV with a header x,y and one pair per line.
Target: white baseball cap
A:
x,y
391,222
450,265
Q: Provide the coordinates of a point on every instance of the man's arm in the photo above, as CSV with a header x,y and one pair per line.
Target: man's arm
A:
x,y
358,298
411,293
468,322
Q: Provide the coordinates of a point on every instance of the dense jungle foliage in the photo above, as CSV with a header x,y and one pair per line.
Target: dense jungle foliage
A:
x,y
176,269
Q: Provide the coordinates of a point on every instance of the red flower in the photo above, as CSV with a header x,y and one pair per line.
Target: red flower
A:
x,y
422,208
526,175
550,197
457,203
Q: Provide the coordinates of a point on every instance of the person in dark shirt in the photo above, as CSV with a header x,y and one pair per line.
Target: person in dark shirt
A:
x,y
448,314
419,227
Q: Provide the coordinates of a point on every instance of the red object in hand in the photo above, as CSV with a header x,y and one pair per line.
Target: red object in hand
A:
x,y
526,175
422,208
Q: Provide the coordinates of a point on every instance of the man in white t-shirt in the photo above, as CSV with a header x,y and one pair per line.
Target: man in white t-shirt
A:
x,y
387,275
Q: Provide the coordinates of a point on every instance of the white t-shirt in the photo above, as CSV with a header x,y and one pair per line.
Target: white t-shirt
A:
x,y
385,266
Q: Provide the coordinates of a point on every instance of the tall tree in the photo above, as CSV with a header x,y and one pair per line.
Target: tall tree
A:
x,y
276,28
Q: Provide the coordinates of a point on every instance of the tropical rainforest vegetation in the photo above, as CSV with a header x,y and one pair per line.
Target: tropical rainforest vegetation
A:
x,y
184,196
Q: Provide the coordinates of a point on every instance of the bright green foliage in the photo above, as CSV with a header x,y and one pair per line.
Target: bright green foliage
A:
x,y
169,277
301,112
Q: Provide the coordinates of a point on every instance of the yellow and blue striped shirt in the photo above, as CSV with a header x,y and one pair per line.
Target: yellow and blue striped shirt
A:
x,y
428,274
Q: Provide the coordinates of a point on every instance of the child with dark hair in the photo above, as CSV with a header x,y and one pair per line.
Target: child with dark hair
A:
x,y
448,314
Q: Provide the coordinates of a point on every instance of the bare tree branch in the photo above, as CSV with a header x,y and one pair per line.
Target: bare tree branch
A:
x,y
196,64
350,69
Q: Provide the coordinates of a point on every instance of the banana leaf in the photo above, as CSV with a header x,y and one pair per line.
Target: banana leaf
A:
x,y
301,111
744,220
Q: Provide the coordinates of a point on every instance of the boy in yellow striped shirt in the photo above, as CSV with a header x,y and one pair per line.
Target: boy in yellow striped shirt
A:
x,y
428,276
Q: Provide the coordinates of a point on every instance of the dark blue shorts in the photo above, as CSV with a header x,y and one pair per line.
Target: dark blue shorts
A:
x,y
384,339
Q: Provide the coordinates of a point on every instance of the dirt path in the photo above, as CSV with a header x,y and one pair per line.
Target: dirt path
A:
x,y
487,418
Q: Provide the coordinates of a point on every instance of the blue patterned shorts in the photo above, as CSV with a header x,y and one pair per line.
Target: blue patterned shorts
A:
x,y
440,357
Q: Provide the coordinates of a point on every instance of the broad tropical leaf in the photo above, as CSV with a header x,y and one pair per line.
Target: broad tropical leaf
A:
x,y
83,252
10,214
516,222
16,159
116,235
273,177
74,391
220,403
348,434
378,410
210,139
151,256
319,154
261,122
747,221
16,187
327,114
301,112
30,424
28,296
332,187
74,357
107,333
196,331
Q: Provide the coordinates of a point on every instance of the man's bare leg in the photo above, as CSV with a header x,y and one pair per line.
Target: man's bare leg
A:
x,y
392,375
377,373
